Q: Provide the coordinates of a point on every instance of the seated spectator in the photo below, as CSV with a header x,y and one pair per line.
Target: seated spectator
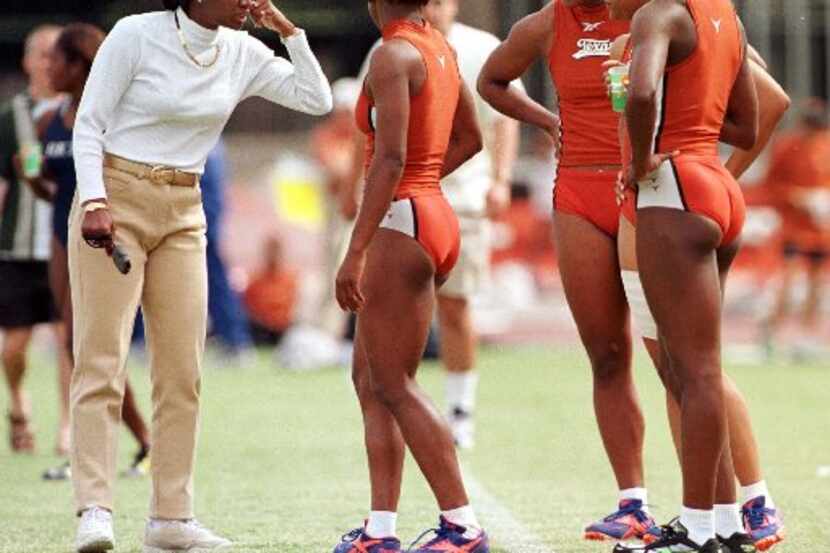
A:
x,y
271,296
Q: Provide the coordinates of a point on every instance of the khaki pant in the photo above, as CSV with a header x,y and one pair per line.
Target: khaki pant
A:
x,y
162,229
472,271
331,318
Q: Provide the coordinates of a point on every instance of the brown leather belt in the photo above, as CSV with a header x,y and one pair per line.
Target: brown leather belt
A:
x,y
157,174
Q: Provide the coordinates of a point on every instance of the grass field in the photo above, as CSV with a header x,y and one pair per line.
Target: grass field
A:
x,y
281,464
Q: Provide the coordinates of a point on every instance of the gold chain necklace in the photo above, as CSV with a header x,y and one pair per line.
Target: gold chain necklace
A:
x,y
187,48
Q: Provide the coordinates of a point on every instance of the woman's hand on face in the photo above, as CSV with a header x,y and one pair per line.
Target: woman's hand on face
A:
x,y
347,285
265,14
97,229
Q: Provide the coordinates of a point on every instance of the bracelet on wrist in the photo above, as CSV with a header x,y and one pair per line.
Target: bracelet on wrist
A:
x,y
94,206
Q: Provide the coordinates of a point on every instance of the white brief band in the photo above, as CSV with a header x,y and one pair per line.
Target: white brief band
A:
x,y
640,312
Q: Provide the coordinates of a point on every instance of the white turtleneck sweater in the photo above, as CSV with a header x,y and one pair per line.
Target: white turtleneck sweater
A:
x,y
147,101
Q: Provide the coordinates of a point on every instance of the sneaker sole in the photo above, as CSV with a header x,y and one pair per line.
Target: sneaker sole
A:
x,y
151,549
97,546
767,544
597,536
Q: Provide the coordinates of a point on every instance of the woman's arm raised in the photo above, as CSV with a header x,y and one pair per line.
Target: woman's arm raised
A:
x,y
299,84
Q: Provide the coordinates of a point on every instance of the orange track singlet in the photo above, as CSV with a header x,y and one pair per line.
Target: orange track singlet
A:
x,y
696,91
432,110
693,100
582,42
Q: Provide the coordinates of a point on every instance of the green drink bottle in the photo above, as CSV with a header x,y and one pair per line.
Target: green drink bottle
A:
x,y
618,85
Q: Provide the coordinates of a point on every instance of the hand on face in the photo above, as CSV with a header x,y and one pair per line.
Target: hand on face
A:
x,y
265,14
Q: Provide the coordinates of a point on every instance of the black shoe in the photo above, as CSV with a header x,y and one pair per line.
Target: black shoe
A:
x,y
674,538
737,543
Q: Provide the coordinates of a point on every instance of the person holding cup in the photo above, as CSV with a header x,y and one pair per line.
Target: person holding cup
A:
x,y
25,299
574,38
159,93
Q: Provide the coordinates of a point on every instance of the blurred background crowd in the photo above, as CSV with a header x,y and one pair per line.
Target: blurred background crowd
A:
x,y
281,189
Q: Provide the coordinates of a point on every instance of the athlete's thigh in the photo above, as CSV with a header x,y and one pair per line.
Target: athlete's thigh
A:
x,y
400,297
627,245
680,276
590,272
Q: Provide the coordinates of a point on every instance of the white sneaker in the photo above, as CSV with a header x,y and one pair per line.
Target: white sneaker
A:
x,y
95,531
463,428
163,536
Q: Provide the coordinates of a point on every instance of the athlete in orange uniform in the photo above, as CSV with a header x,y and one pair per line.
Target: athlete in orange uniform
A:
x,y
421,125
574,37
757,521
690,86
589,150
419,208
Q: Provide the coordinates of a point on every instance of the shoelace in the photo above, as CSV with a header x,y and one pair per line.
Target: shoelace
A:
x,y
757,516
668,535
440,533
352,535
630,509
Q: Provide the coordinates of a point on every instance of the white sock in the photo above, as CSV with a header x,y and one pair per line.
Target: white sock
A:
x,y
382,524
757,490
461,391
700,524
728,520
636,493
466,517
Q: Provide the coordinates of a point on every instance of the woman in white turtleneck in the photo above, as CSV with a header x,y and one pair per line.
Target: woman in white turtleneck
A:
x,y
161,89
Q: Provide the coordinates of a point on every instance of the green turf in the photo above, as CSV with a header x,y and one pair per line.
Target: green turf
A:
x,y
281,465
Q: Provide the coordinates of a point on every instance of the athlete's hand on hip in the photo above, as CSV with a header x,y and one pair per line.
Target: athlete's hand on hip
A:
x,y
619,188
642,171
97,229
347,285
265,14
552,128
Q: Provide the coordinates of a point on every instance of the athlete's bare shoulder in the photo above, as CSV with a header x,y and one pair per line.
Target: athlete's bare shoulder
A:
x,y
667,21
536,28
659,12
393,56
394,61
